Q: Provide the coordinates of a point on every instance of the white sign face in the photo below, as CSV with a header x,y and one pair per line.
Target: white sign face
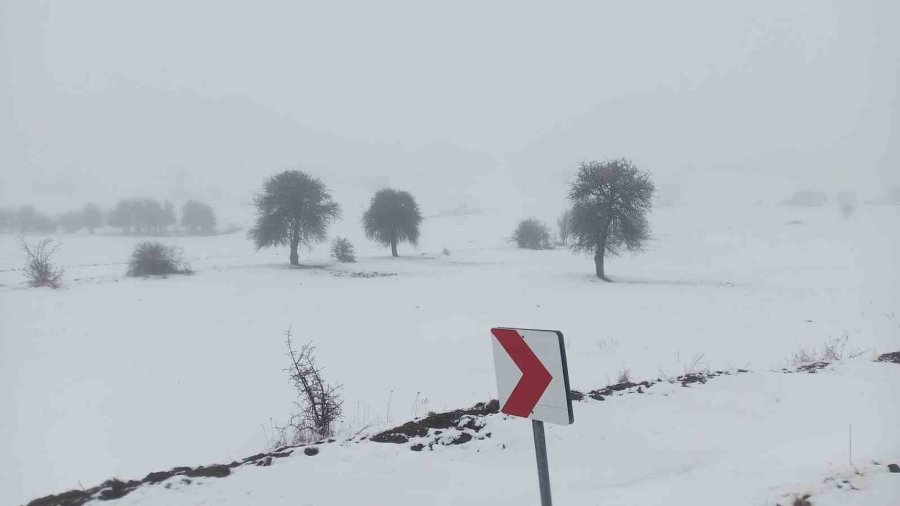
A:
x,y
532,374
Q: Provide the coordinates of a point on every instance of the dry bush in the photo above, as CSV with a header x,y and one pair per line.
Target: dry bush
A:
x,y
319,404
156,259
531,234
39,266
342,250
697,365
624,376
832,351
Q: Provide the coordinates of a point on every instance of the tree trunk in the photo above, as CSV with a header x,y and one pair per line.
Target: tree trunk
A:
x,y
598,264
599,255
394,249
295,258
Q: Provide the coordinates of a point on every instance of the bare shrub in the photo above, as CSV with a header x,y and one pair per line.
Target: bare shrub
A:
x,y
532,234
342,250
802,500
318,403
624,376
156,259
833,350
39,266
697,365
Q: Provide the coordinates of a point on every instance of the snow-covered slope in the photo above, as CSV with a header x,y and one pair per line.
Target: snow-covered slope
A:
x,y
739,438
113,376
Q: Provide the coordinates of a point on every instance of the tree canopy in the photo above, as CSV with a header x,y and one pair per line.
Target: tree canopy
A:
x,y
292,208
392,217
198,216
610,201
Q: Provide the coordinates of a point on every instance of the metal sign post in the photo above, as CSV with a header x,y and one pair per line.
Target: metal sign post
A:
x,y
533,382
540,451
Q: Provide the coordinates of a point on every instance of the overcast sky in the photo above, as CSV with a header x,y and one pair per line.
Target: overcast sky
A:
x,y
460,102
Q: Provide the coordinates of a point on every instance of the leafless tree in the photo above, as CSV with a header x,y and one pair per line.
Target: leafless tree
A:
x,y
610,202
564,223
319,404
39,266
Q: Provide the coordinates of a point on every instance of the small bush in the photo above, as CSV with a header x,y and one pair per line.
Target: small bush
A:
x,y
156,259
806,198
624,376
532,234
342,250
39,266
319,403
445,252
832,351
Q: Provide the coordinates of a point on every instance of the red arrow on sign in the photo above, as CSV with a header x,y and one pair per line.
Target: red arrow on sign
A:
x,y
535,377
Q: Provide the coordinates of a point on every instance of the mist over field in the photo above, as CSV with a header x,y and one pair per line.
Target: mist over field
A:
x,y
703,197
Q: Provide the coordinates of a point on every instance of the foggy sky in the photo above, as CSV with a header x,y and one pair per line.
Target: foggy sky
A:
x,y
460,102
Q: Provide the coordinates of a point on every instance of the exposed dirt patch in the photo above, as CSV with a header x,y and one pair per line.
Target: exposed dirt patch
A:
x,y
467,423
890,357
808,368
115,489
373,274
628,387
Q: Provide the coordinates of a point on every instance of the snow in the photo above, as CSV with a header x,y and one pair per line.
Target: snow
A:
x,y
112,376
725,442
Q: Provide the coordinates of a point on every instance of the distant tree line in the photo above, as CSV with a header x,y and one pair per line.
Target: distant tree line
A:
x,y
136,216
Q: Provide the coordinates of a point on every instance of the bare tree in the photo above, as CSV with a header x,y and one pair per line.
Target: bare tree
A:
x,y
39,266
564,224
610,201
319,403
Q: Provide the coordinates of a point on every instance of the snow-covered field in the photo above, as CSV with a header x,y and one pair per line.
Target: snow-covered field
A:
x,y
113,376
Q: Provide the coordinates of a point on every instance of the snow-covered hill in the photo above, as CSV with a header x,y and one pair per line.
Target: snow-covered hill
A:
x,y
112,376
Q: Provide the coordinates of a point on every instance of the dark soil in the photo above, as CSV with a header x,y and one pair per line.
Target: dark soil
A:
x,y
890,357
463,419
115,489
627,387
374,274
809,368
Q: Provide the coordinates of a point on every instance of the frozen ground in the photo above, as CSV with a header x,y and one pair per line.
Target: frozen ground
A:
x,y
113,376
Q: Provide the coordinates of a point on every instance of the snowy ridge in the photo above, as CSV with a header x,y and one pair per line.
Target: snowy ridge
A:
x,y
483,430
